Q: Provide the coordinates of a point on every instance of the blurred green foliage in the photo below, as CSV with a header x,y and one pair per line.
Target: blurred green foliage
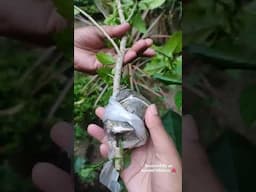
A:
x,y
28,92
166,66
10,181
219,44
31,82
93,91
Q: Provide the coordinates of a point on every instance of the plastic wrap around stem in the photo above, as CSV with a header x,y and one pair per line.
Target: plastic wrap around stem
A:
x,y
114,111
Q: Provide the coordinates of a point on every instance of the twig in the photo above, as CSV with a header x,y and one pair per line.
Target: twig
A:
x,y
135,34
131,75
48,69
136,86
133,11
153,25
164,54
89,82
141,71
100,28
120,57
97,84
83,20
59,100
43,59
143,63
194,90
149,89
100,96
158,36
45,81
207,85
11,110
120,11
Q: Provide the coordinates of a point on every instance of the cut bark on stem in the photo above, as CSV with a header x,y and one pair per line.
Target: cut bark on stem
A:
x,y
116,82
120,56
118,67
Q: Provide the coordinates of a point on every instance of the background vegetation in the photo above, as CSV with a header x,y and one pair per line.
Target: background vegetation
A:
x,y
219,84
159,78
218,81
35,92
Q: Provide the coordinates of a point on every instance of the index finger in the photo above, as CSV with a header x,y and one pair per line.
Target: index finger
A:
x,y
100,112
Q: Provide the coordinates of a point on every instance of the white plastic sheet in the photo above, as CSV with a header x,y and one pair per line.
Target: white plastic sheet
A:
x,y
114,111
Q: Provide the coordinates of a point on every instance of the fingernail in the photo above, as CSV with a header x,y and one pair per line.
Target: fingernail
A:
x,y
154,109
187,117
127,24
149,42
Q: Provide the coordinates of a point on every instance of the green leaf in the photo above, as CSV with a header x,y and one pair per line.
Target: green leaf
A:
x,y
156,65
79,132
226,55
87,174
178,99
65,8
104,6
248,105
64,42
178,63
172,124
150,4
166,80
127,158
79,164
173,44
105,58
139,23
105,74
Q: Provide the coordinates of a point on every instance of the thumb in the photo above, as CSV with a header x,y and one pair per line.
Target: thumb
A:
x,y
161,140
117,31
190,131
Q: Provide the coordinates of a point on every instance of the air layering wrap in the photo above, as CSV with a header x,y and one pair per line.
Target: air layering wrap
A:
x,y
123,118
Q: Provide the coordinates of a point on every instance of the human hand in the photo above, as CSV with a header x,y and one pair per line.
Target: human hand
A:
x,y
198,174
46,176
88,41
159,150
33,20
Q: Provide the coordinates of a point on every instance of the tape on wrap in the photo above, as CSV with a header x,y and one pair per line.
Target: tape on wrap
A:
x,y
115,112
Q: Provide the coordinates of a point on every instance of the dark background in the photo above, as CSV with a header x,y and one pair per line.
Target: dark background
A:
x,y
219,84
219,91
36,66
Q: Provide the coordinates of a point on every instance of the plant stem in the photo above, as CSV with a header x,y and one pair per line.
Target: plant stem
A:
x,y
60,99
153,24
131,75
120,56
118,162
100,96
133,11
100,28
149,89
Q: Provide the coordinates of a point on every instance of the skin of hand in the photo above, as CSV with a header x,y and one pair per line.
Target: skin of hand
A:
x,y
88,41
46,176
31,20
159,149
198,174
